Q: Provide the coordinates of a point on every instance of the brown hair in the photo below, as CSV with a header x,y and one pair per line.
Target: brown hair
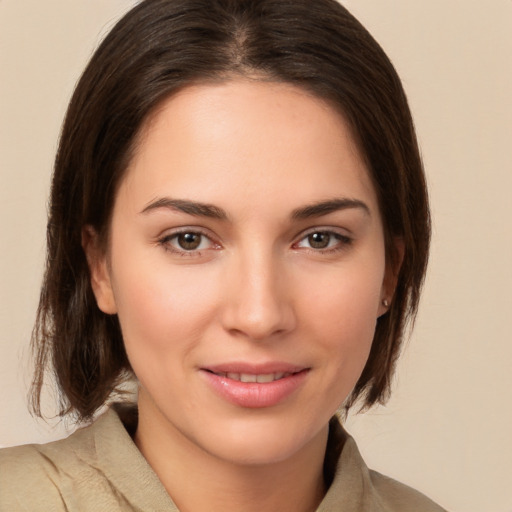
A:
x,y
159,47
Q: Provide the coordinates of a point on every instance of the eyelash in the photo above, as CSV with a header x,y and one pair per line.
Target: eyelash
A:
x,y
342,242
166,240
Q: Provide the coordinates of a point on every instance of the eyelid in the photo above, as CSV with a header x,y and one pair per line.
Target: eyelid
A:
x,y
165,238
339,233
342,232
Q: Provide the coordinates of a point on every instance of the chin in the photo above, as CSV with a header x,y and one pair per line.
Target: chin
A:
x,y
255,443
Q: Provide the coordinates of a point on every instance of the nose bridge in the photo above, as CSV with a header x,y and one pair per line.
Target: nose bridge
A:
x,y
259,304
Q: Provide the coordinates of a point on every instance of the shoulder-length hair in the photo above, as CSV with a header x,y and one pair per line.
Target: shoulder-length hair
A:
x,y
159,47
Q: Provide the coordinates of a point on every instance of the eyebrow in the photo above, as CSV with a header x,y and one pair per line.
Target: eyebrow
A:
x,y
208,210
332,205
189,207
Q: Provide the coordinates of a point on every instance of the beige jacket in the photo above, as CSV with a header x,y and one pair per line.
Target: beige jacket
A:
x,y
99,469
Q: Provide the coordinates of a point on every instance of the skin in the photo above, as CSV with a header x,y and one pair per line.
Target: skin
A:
x,y
257,289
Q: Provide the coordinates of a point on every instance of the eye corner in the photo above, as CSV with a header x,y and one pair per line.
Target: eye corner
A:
x,y
188,242
323,241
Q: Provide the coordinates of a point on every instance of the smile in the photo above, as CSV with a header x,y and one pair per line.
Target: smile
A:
x,y
250,377
255,387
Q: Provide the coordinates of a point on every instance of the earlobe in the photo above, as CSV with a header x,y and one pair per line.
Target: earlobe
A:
x,y
98,270
393,265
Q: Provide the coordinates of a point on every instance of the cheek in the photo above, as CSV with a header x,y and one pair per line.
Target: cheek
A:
x,y
342,316
346,304
346,344
162,311
346,331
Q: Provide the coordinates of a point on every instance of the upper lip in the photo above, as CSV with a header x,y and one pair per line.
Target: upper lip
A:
x,y
254,369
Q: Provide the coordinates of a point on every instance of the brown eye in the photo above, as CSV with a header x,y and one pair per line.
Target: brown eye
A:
x,y
319,240
189,241
324,242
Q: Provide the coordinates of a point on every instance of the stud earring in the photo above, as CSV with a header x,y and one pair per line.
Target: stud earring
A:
x,y
385,303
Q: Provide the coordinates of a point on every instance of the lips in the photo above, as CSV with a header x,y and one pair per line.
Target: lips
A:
x,y
250,377
255,386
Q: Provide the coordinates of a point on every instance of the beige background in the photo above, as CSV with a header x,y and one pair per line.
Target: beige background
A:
x,y
448,428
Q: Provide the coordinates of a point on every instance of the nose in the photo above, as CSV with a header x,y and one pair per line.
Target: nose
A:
x,y
259,298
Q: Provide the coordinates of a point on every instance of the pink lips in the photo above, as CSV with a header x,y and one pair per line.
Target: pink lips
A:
x,y
255,386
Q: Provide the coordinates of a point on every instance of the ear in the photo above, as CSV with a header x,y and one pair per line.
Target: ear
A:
x,y
393,265
99,270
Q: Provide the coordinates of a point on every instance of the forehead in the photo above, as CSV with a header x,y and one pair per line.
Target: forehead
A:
x,y
248,139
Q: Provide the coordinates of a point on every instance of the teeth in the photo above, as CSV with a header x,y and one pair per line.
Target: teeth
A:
x,y
248,377
269,377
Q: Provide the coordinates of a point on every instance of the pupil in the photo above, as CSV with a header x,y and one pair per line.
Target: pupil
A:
x,y
319,240
189,241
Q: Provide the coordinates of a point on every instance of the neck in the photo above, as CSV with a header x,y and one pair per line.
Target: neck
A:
x,y
295,484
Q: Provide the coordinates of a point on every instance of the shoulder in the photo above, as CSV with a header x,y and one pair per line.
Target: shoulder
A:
x,y
98,469
31,477
397,496
50,476
355,487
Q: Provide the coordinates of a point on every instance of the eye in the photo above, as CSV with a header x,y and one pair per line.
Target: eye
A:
x,y
324,240
187,242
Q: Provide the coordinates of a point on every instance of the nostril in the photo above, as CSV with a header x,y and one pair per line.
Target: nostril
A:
x,y
257,305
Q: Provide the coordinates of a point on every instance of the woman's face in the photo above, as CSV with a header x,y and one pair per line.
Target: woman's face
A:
x,y
247,267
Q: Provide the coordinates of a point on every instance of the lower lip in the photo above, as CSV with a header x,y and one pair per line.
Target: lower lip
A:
x,y
254,394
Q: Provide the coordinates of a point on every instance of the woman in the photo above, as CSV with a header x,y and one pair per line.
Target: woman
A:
x,y
238,221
